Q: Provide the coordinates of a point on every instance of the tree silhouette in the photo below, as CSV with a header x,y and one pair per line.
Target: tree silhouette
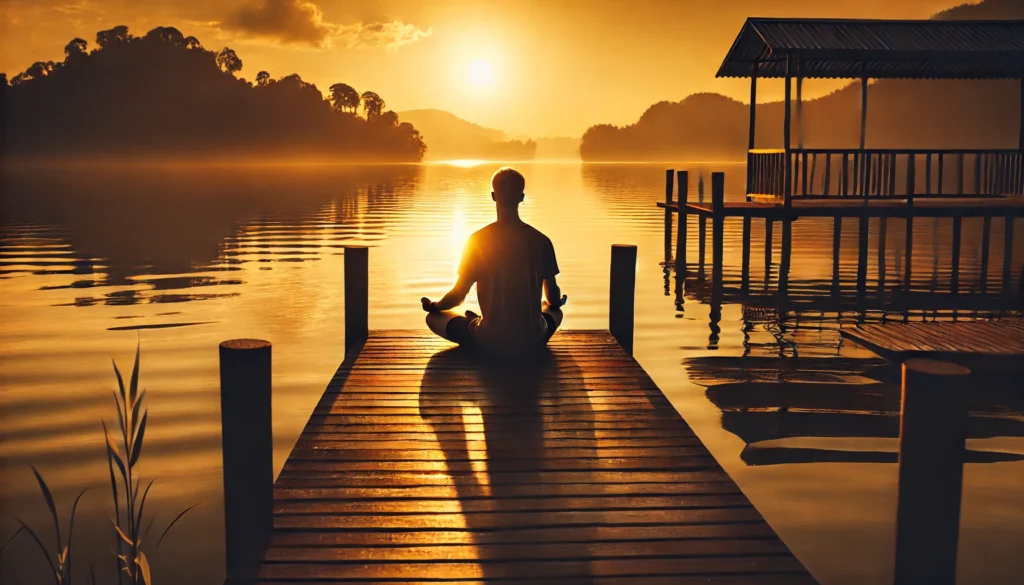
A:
x,y
162,93
118,34
344,97
75,48
167,34
373,104
228,61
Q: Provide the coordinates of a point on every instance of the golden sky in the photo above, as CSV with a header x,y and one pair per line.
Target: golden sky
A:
x,y
529,67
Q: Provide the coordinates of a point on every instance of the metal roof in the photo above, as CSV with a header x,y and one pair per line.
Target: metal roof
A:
x,y
881,49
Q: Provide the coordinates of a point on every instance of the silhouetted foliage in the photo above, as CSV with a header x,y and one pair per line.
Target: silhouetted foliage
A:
x,y
228,61
373,105
164,93
344,98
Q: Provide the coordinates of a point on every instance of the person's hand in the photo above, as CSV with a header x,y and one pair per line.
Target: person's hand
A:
x,y
428,305
563,301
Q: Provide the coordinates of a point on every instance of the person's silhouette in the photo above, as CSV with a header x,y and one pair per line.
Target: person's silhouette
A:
x,y
511,263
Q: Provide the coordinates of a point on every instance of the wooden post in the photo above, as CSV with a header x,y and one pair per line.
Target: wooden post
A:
x,y
745,270
837,239
862,255
1020,133
928,174
752,132
954,284
933,422
683,186
960,173
357,282
1008,255
787,189
882,229
717,234
248,452
702,235
938,188
621,295
986,236
669,183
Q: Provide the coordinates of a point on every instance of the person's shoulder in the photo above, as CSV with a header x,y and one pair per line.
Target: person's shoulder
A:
x,y
537,234
484,231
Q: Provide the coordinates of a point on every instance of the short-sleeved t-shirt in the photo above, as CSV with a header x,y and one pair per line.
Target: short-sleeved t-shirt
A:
x,y
509,262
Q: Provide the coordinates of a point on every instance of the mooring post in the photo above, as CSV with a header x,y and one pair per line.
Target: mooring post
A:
x,y
669,182
357,297
621,295
683,187
933,422
717,234
248,452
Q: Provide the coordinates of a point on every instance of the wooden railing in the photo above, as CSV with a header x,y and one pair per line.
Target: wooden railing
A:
x,y
886,173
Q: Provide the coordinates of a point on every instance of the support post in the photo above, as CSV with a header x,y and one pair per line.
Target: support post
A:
x,y
862,255
745,270
683,186
954,285
621,295
883,228
248,452
357,304
1008,255
669,183
717,234
837,239
933,421
702,235
752,132
986,236
787,189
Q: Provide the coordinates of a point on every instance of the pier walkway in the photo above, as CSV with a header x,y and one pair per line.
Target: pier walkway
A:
x,y
421,463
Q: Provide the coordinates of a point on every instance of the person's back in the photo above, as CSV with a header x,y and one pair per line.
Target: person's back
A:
x,y
512,263
509,262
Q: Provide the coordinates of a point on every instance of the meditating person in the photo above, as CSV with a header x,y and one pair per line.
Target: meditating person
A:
x,y
510,262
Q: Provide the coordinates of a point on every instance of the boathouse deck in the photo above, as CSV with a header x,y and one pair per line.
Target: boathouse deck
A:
x,y
422,463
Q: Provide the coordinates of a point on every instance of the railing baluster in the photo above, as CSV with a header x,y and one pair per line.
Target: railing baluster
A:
x,y
828,172
939,187
977,173
845,175
928,174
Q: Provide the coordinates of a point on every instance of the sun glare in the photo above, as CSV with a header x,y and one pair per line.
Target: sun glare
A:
x,y
480,73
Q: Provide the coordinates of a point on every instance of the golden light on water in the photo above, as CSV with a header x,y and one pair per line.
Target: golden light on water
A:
x,y
465,163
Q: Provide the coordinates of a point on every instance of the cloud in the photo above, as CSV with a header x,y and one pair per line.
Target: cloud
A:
x,y
390,35
302,22
287,21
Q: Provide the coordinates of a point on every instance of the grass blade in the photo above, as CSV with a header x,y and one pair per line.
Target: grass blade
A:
x,y
11,539
133,385
49,503
137,446
120,418
135,412
71,532
142,507
120,381
143,564
121,533
173,522
42,547
92,574
145,532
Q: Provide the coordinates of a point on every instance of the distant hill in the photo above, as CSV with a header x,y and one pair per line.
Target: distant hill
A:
x,y
558,148
449,137
164,94
901,114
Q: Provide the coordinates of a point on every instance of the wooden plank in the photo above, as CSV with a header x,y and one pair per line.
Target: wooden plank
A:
x,y
997,338
424,463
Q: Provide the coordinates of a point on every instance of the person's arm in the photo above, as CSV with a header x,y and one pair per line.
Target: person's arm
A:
x,y
452,298
552,293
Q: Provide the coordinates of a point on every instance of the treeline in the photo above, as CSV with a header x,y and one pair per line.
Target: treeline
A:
x,y
901,114
165,94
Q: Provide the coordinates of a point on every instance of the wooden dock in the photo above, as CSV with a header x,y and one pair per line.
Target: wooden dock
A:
x,y
424,463
977,343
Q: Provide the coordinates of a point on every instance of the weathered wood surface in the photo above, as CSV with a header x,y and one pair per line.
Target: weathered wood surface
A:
x,y
996,339
421,464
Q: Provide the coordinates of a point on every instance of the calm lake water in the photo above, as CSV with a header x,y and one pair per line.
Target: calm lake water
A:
x,y
179,258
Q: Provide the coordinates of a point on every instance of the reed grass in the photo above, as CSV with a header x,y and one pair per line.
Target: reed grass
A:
x,y
123,452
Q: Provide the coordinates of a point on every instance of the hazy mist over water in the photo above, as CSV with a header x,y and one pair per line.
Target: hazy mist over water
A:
x,y
179,258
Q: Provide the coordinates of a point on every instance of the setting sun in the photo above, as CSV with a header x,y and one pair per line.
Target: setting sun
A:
x,y
480,73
